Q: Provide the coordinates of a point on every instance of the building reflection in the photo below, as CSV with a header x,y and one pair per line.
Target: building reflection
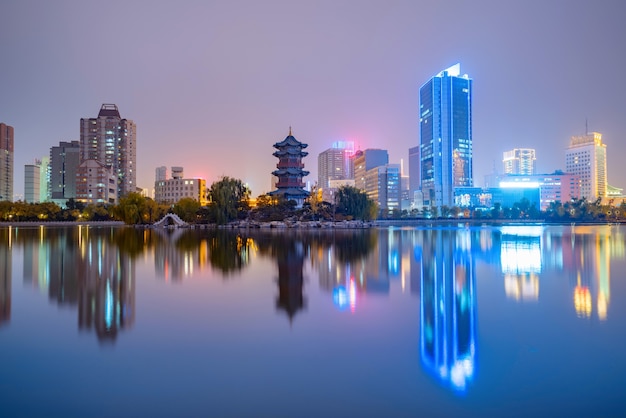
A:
x,y
290,260
520,260
85,270
448,307
179,253
5,274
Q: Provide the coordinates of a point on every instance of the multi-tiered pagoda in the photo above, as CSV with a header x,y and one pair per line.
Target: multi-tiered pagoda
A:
x,y
290,170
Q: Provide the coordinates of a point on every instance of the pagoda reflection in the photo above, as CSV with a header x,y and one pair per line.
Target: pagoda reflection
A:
x,y
448,306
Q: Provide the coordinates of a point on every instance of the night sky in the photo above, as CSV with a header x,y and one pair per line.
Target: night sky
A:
x,y
212,85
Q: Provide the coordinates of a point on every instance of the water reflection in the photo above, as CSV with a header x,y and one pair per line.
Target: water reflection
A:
x,y
448,306
6,262
84,268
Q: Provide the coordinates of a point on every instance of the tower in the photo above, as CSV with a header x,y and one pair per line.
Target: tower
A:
x,y
6,162
64,162
111,140
586,157
335,163
519,161
445,105
290,170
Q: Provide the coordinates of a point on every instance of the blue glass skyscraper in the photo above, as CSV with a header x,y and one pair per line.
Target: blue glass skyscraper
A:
x,y
445,136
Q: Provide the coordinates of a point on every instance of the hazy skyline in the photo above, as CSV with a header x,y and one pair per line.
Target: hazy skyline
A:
x,y
212,85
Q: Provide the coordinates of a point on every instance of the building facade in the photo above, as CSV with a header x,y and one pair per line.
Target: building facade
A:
x,y
445,103
335,163
6,162
366,160
95,183
290,170
64,162
520,161
112,141
383,186
586,158
172,190
32,182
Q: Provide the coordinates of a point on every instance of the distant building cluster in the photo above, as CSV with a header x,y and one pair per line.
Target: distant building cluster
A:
x,y
100,167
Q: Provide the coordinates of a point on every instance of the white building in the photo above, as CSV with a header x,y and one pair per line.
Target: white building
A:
x,y
586,158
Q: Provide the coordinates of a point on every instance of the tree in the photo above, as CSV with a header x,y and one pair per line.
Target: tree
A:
x,y
133,209
187,209
354,203
229,200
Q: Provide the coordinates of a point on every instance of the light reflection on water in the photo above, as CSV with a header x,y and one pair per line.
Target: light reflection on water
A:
x,y
421,314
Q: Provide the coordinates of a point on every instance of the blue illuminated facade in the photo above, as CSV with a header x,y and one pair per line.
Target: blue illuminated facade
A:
x,y
445,136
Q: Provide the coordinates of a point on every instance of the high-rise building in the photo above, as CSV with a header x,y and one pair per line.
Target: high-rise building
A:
x,y
64,162
586,157
95,183
32,182
519,161
415,178
365,161
6,162
383,186
335,163
111,140
44,179
160,173
445,136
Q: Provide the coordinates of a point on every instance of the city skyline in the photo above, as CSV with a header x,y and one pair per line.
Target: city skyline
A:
x,y
213,86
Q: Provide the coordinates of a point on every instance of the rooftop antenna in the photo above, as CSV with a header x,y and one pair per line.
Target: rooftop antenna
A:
x,y
290,130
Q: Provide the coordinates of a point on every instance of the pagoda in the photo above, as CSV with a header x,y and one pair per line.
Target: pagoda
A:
x,y
290,170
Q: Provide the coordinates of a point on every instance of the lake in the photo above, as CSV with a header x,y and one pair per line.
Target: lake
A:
x,y
511,321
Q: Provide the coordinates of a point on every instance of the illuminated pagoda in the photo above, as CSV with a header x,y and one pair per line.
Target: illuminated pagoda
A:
x,y
290,170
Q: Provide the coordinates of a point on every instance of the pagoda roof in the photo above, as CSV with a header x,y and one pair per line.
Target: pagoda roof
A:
x,y
290,170
290,140
290,151
291,191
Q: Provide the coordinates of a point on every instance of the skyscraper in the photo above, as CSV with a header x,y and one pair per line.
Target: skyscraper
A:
x,y
6,162
335,163
32,182
111,141
445,136
365,161
64,162
519,161
586,157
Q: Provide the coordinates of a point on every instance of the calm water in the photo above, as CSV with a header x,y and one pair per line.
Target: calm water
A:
x,y
491,321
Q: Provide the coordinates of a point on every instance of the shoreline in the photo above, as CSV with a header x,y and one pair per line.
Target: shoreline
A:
x,y
461,222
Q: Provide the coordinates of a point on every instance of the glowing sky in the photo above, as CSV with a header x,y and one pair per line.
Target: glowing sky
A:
x,y
212,85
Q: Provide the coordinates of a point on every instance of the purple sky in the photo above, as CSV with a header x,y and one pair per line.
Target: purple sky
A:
x,y
212,85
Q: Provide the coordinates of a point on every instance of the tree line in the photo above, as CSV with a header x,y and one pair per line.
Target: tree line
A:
x,y
229,200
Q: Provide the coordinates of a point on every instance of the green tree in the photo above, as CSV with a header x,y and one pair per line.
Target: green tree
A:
x,y
187,209
354,203
133,209
229,200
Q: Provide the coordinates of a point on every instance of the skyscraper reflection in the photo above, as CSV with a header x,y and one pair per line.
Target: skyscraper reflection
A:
x,y
83,269
520,258
448,306
5,275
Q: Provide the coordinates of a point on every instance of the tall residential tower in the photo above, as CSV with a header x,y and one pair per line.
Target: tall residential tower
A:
x,y
519,161
6,162
111,140
445,136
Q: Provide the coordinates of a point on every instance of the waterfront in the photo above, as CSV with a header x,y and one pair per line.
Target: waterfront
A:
x,y
445,321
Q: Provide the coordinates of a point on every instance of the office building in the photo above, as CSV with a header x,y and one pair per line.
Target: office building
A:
x,y
586,158
32,182
160,173
335,163
64,162
383,186
6,162
170,191
44,179
519,161
445,105
415,179
365,161
111,140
